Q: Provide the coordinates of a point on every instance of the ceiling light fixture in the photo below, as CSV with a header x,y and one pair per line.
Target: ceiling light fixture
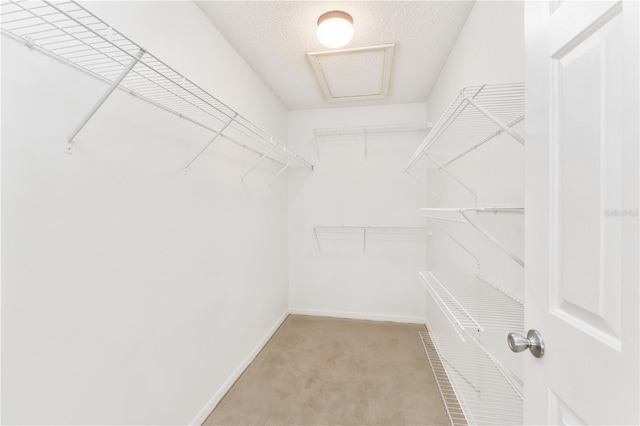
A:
x,y
335,28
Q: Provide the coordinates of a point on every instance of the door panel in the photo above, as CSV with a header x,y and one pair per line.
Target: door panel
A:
x,y
560,414
587,110
582,175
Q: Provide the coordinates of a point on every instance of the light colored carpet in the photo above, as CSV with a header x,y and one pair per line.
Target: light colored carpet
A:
x,y
328,371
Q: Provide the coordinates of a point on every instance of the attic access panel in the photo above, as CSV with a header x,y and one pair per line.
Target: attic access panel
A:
x,y
356,74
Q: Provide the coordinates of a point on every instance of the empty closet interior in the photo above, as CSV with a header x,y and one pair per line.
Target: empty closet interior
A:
x,y
170,195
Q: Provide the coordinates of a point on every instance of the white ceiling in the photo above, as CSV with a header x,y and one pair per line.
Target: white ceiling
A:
x,y
275,36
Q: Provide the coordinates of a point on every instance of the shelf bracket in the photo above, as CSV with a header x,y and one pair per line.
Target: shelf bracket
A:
x,y
284,168
68,148
218,133
432,192
444,169
315,137
364,240
429,190
482,142
365,142
455,240
315,231
493,240
495,119
434,133
257,162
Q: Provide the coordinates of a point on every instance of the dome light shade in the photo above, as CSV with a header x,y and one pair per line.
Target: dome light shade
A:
x,y
335,28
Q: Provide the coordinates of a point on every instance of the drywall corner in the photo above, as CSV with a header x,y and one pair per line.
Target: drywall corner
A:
x,y
228,384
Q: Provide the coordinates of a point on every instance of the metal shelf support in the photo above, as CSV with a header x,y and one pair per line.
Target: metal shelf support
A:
x,y
454,177
482,142
286,166
68,146
455,240
262,157
218,133
439,213
495,119
491,238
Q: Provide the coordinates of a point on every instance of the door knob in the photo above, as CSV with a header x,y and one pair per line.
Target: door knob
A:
x,y
533,342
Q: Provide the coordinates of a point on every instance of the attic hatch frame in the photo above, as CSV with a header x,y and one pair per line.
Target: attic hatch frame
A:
x,y
71,34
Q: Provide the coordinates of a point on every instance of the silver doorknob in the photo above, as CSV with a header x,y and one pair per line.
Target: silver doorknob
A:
x,y
533,342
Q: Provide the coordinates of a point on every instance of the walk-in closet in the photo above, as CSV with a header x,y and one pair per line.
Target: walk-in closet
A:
x,y
320,212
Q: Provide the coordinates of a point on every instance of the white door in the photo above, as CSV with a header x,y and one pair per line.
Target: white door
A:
x,y
581,289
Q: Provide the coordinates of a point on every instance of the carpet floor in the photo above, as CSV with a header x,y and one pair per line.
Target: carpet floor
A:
x,y
329,371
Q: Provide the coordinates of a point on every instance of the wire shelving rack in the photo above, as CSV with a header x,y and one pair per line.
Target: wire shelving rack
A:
x,y
473,387
70,33
471,302
477,115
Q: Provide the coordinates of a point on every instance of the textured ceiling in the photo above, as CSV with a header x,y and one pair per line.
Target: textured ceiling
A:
x,y
275,36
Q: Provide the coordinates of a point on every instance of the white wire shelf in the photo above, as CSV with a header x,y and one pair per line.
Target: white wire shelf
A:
x,y
476,116
461,215
473,387
369,230
445,389
364,131
72,34
471,302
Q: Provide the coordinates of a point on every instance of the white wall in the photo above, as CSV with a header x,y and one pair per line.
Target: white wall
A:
x,y
347,189
130,291
490,49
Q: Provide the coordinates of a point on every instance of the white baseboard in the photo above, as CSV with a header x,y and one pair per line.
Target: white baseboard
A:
x,y
221,392
358,315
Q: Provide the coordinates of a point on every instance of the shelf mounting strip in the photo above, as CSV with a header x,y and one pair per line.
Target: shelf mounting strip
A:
x,y
70,33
